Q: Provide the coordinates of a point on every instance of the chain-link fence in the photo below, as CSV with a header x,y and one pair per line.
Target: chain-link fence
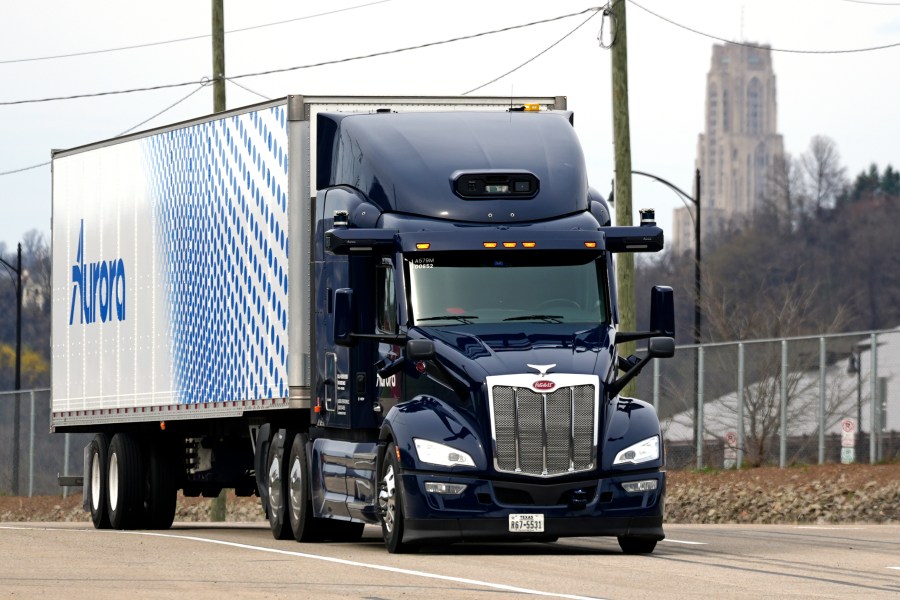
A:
x,y
780,401
30,456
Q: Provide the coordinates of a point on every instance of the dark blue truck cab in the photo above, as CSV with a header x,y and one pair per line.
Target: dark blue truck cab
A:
x,y
465,377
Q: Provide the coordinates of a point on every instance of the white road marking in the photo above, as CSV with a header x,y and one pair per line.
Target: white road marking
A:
x,y
896,568
830,528
671,541
341,561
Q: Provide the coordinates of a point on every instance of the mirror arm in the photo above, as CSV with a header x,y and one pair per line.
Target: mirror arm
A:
x,y
636,367
631,336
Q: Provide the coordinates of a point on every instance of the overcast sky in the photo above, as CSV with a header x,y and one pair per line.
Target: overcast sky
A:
x,y
854,98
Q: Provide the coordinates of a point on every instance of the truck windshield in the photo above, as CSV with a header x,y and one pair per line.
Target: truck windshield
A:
x,y
477,287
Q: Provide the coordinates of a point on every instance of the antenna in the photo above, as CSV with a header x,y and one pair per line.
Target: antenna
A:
x,y
742,23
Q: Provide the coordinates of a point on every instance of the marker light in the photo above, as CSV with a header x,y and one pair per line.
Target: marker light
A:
x,y
532,107
641,452
509,244
645,485
590,244
423,246
439,454
528,244
490,244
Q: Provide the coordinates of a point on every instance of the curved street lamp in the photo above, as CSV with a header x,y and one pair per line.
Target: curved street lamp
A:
x,y
697,282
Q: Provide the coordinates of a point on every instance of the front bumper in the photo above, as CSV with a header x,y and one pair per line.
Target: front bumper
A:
x,y
592,507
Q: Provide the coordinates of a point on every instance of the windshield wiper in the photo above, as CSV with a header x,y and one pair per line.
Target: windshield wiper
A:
x,y
466,319
547,318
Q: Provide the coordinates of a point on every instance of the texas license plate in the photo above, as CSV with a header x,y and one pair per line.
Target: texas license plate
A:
x,y
526,523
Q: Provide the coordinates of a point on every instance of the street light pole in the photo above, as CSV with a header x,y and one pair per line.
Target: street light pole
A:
x,y
18,382
698,314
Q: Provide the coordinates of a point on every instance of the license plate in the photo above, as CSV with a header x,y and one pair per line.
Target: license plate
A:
x,y
525,523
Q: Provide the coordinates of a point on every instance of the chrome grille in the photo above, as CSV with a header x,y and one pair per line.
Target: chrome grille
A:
x,y
543,434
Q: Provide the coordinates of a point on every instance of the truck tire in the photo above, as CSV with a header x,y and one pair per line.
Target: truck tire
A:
x,y
636,545
276,484
390,502
95,486
125,483
161,488
304,526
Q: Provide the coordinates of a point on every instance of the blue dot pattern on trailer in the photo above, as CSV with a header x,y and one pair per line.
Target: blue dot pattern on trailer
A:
x,y
219,193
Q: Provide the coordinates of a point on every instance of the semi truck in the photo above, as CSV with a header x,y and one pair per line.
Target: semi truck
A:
x,y
397,311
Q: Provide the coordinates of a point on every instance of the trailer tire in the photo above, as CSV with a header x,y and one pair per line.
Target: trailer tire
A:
x,y
95,486
390,503
636,545
161,490
125,482
276,484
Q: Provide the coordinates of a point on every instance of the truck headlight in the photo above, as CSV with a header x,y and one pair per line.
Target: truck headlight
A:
x,y
439,454
641,452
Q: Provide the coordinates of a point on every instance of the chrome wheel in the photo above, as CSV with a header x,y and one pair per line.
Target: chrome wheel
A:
x,y
96,483
295,489
113,481
387,499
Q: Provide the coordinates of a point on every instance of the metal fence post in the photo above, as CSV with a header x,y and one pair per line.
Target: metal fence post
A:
x,y
873,401
66,465
656,386
699,415
31,450
821,400
782,446
740,415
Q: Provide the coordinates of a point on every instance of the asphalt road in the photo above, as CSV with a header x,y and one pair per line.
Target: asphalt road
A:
x,y
243,561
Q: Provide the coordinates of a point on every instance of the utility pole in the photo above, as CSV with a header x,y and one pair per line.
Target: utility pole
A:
x,y
18,381
217,509
698,314
622,193
218,55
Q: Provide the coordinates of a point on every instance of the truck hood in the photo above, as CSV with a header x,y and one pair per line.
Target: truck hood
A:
x,y
473,355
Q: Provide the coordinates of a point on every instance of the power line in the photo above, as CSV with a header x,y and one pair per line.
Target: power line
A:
x,y
758,46
873,3
309,66
544,51
263,96
186,39
130,129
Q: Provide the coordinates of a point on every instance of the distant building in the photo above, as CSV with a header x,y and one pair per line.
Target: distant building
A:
x,y
740,147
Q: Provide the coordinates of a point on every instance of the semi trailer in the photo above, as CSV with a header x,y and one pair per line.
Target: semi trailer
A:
x,y
398,311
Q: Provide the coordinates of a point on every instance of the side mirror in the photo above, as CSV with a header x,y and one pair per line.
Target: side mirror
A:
x,y
662,311
343,317
419,350
661,347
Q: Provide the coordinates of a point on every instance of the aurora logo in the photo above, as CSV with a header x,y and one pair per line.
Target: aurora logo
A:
x,y
98,288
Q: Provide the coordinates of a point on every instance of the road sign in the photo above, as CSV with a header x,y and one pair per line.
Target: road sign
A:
x,y
848,434
731,438
848,455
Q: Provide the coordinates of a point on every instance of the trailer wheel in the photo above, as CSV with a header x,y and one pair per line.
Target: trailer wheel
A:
x,y
304,526
161,489
390,502
95,486
125,480
276,484
636,545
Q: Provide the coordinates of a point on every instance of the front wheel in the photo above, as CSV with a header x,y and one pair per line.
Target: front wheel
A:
x,y
390,502
636,545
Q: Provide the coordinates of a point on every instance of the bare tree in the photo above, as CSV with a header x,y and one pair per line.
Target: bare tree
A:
x,y
823,176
